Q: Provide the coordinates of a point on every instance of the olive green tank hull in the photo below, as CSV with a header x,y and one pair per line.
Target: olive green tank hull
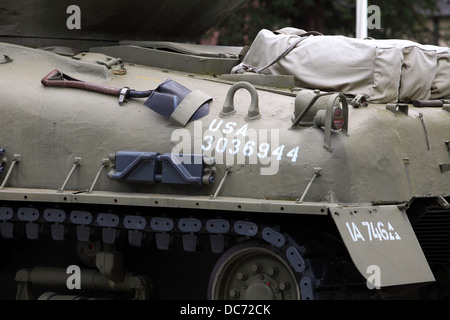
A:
x,y
256,177
386,157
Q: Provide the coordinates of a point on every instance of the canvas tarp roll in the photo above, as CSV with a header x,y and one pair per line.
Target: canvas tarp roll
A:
x,y
385,70
441,83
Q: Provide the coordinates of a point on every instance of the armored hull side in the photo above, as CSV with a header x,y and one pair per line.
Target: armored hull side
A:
x,y
364,166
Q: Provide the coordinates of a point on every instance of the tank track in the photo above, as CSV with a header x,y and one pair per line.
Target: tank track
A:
x,y
138,229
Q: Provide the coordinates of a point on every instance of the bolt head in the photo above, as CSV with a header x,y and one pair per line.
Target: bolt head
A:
x,y
234,293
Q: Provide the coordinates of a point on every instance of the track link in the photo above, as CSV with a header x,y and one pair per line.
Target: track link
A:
x,y
112,227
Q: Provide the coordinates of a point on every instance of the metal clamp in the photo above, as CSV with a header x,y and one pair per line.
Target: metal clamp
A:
x,y
360,100
123,94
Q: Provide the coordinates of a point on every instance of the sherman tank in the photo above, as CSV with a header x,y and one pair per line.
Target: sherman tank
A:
x,y
139,165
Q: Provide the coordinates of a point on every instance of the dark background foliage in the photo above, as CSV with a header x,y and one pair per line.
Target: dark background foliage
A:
x,y
399,19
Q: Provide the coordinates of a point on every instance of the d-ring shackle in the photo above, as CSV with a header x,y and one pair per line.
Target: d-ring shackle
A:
x,y
228,106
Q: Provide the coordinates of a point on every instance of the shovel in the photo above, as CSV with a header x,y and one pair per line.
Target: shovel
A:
x,y
168,97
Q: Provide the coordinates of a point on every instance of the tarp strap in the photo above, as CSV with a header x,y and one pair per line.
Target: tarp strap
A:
x,y
187,107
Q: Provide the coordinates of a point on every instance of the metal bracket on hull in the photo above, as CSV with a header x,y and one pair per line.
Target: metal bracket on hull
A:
x,y
5,60
397,107
16,159
317,172
77,162
105,163
443,203
227,170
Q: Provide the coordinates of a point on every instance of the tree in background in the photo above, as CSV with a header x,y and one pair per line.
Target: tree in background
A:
x,y
399,19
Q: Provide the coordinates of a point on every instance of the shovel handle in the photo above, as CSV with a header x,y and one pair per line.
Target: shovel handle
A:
x,y
58,79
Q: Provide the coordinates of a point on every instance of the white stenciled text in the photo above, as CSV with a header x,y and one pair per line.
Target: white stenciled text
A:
x,y
371,231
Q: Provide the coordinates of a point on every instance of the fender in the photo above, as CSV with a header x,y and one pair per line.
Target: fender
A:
x,y
382,238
